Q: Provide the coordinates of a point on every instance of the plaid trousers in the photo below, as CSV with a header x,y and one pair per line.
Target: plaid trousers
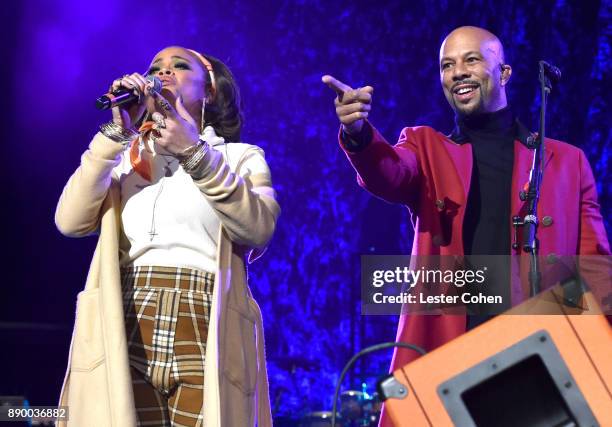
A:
x,y
167,311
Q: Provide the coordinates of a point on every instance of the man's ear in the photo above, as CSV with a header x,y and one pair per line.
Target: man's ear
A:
x,y
506,72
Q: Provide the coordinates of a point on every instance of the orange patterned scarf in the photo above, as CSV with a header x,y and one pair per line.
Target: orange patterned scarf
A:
x,y
141,159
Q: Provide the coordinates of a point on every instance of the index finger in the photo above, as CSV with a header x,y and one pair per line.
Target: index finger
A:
x,y
335,84
164,104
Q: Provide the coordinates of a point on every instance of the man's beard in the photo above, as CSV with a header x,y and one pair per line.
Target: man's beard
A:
x,y
466,111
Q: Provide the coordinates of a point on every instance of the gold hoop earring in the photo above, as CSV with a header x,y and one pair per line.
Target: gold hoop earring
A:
x,y
203,114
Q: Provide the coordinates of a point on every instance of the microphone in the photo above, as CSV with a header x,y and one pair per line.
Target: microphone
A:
x,y
124,96
552,72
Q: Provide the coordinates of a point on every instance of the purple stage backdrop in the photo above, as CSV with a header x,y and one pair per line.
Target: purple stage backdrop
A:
x,y
58,56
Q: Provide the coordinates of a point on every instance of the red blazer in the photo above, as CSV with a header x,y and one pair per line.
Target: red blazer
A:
x,y
430,174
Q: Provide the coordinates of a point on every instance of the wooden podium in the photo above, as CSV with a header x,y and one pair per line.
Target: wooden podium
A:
x,y
515,370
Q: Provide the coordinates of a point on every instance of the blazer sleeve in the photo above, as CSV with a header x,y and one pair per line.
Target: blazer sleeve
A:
x,y
78,210
389,172
593,238
244,201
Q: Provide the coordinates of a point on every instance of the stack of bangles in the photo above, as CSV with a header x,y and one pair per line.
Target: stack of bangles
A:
x,y
118,133
191,158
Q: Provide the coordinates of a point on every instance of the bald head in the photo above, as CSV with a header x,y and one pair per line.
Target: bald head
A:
x,y
473,71
476,35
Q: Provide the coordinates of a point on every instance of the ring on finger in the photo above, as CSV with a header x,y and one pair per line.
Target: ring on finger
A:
x,y
138,92
159,120
165,104
115,82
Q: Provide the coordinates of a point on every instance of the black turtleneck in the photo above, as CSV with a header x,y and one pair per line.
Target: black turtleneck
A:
x,y
487,217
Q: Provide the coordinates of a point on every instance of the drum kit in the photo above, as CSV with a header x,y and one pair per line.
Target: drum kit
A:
x,y
357,409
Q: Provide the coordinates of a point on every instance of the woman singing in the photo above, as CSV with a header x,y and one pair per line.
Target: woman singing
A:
x,y
167,332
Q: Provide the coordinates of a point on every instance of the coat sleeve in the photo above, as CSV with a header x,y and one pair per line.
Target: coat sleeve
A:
x,y
593,238
244,201
78,210
389,172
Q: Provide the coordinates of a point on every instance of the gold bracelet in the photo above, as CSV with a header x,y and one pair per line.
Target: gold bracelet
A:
x,y
192,156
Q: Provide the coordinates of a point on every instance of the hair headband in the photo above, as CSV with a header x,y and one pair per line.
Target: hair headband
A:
x,y
209,68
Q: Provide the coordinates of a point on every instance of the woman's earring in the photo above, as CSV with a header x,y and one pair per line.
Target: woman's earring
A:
x,y
203,114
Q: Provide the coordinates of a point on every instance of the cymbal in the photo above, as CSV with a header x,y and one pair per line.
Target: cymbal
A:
x,y
291,362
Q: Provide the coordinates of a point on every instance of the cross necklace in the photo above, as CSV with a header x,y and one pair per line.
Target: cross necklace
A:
x,y
167,173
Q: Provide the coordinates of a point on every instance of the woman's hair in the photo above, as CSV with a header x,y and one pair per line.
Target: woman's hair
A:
x,y
224,112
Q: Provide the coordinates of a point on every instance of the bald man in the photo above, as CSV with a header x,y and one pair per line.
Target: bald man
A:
x,y
473,71
463,189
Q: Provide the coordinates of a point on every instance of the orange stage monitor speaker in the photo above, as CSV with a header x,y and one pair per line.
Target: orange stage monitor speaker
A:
x,y
516,370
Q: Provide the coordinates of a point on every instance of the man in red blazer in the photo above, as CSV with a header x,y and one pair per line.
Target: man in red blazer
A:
x,y
463,189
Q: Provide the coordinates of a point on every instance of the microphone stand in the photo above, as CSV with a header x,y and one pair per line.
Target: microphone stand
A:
x,y
530,221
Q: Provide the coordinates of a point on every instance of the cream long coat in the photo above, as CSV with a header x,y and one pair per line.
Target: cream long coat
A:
x,y
97,388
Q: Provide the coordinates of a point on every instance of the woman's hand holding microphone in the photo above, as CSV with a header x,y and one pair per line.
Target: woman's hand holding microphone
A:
x,y
174,129
126,115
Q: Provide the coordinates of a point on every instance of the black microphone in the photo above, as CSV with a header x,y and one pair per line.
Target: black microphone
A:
x,y
124,96
552,72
